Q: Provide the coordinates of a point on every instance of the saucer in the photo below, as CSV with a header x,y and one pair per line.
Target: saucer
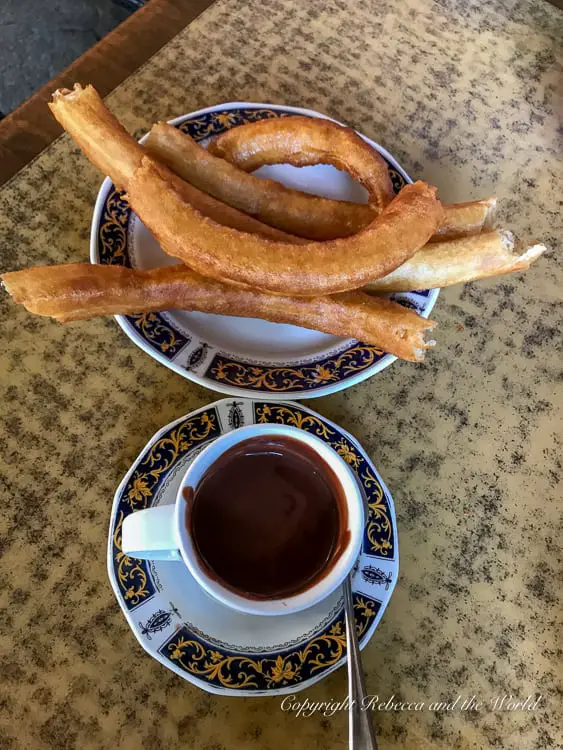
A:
x,y
213,646
241,356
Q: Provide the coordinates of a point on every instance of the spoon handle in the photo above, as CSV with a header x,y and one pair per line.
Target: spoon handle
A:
x,y
361,733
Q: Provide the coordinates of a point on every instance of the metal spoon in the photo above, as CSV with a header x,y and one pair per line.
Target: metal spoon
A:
x,y
361,735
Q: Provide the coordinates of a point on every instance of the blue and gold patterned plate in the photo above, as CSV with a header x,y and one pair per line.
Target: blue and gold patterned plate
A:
x,y
240,356
212,646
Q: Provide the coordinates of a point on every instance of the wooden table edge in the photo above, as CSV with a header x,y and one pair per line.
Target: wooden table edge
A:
x,y
30,128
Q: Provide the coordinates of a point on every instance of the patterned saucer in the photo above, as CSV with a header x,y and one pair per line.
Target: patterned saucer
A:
x,y
239,356
212,646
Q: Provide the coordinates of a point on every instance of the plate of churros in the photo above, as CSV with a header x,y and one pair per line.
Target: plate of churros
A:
x,y
263,250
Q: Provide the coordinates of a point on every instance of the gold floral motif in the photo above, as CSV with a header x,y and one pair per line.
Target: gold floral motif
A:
x,y
131,576
225,119
283,671
357,358
321,374
237,671
210,664
253,376
163,454
139,490
325,650
379,527
366,608
346,452
263,114
155,330
353,360
113,229
295,418
216,122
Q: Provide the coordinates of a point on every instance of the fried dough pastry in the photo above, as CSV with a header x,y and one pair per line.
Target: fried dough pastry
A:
x,y
466,219
292,211
106,143
226,215
313,268
440,264
305,270
100,135
80,290
241,146
304,141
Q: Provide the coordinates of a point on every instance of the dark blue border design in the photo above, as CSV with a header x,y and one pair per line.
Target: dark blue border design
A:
x,y
158,332
213,123
397,179
253,671
379,536
132,575
297,378
167,340
112,230
189,651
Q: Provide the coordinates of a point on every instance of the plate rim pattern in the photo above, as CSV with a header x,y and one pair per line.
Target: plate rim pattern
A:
x,y
190,653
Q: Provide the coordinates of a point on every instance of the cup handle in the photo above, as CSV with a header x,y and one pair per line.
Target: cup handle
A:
x,y
149,534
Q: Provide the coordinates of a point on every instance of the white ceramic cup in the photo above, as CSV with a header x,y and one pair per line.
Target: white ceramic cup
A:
x,y
160,533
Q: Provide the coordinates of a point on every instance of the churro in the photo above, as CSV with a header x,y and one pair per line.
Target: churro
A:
x,y
303,141
304,270
292,211
466,219
403,226
440,264
106,143
80,290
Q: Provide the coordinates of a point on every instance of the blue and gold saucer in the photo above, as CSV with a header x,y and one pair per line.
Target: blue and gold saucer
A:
x,y
241,356
215,647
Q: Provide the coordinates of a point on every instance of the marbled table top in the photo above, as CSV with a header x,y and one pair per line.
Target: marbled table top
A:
x,y
465,94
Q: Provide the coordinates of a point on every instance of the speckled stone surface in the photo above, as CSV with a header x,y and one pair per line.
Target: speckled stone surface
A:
x,y
465,94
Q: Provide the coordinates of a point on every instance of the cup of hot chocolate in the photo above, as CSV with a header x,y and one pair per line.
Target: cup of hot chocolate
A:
x,y
268,519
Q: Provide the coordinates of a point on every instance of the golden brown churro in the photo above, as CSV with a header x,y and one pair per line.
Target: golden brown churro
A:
x,y
292,211
98,132
303,141
83,114
304,270
263,271
398,232
295,212
226,215
246,147
78,291
466,219
440,264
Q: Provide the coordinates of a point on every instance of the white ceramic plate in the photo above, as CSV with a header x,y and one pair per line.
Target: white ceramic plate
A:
x,y
241,356
211,645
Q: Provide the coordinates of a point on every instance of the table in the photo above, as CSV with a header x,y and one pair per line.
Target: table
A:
x,y
465,95
28,130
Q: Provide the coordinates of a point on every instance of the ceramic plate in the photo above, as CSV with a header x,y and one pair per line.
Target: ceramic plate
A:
x,y
239,356
210,645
